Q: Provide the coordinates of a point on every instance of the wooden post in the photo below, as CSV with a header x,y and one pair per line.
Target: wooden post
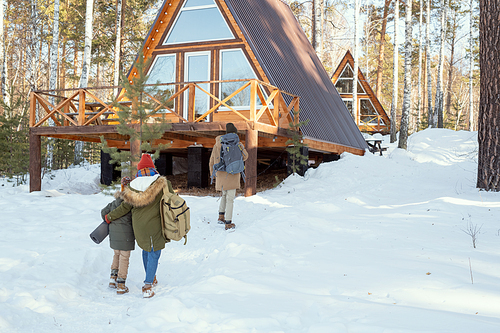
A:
x,y
251,144
253,99
191,101
35,167
32,109
81,108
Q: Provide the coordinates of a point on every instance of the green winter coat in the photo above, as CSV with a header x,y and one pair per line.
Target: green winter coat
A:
x,y
121,233
142,197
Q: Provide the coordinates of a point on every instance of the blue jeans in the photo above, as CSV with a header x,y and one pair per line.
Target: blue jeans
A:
x,y
150,261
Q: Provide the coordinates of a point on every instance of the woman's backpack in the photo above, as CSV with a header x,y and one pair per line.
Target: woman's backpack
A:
x,y
231,156
175,219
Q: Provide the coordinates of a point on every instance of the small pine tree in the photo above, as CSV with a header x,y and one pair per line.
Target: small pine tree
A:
x,y
14,143
152,124
296,143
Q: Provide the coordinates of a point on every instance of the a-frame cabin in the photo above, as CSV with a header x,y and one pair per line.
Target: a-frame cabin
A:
x,y
241,61
371,117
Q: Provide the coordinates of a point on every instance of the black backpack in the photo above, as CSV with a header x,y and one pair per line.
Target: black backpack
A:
x,y
231,156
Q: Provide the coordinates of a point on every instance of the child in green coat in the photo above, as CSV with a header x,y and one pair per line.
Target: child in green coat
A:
x,y
122,241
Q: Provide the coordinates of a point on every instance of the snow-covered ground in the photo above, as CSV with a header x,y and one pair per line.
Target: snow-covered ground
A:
x,y
361,245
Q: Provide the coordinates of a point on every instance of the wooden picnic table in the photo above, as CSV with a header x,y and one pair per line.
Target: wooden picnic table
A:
x,y
375,145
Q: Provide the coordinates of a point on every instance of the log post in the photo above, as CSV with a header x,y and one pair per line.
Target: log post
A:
x,y
251,144
35,167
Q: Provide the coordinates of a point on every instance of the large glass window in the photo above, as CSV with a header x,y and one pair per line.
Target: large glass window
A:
x,y
235,66
210,24
344,82
198,69
162,71
368,113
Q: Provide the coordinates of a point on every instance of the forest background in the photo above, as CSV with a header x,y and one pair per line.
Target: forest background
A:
x,y
43,46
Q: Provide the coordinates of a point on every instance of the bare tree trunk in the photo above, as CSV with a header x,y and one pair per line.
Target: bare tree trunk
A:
x,y
403,129
355,69
488,173
53,75
452,62
395,71
430,111
321,27
471,69
33,52
438,112
313,25
116,73
419,88
381,50
2,56
87,52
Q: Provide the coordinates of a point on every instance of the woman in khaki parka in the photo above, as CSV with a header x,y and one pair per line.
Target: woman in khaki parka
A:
x,y
225,182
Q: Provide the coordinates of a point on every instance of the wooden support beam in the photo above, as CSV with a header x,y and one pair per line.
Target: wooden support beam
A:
x,y
35,167
135,150
251,144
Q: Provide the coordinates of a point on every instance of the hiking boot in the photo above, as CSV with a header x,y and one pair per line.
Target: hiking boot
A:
x,y
112,281
229,225
221,219
121,288
147,291
155,282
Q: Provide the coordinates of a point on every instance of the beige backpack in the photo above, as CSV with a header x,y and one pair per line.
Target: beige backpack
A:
x,y
174,214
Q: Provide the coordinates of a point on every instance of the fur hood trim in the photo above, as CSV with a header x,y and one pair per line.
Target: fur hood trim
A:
x,y
144,198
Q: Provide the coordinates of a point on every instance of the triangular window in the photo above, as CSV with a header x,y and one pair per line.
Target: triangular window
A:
x,y
210,24
344,82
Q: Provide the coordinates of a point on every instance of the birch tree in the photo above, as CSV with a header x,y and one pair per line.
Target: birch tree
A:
x,y
87,52
355,69
116,72
438,111
488,171
403,129
430,111
471,68
419,88
53,73
395,72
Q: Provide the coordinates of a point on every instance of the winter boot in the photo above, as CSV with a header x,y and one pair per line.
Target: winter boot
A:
x,y
147,291
221,218
121,288
229,225
112,279
155,282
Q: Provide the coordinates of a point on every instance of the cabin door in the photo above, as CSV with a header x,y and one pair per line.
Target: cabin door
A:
x,y
197,68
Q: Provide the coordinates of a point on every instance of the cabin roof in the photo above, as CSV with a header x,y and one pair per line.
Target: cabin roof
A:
x,y
290,62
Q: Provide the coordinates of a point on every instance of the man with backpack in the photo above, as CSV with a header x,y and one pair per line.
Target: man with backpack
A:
x,y
226,165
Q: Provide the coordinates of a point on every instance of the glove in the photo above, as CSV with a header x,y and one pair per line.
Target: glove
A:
x,y
106,218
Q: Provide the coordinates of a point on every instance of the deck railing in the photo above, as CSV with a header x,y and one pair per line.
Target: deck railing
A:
x,y
373,123
92,106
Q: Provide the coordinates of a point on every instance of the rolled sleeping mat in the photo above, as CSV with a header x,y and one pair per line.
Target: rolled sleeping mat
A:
x,y
100,232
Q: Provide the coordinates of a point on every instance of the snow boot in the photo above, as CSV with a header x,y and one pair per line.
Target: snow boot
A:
x,y
229,225
155,282
147,291
112,278
121,288
221,218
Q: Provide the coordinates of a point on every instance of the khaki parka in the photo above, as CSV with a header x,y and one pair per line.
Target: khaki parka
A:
x,y
144,203
225,181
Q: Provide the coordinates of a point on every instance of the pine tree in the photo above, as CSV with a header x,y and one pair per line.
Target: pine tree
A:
x,y
142,122
295,145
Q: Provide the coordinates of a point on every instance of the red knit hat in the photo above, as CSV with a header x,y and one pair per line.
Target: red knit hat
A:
x,y
145,162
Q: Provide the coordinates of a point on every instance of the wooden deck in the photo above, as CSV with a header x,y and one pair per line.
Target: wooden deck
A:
x,y
87,114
